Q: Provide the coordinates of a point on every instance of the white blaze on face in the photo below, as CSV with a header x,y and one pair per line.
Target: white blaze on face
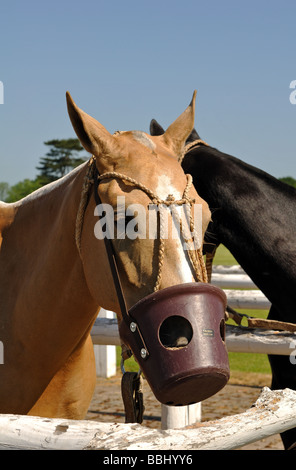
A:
x,y
163,189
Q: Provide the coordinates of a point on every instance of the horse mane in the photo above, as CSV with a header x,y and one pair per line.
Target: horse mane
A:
x,y
48,188
221,164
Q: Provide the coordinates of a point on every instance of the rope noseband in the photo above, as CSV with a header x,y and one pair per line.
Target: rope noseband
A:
x,y
195,256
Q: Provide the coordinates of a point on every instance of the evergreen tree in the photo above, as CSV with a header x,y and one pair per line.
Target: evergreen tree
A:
x,y
22,189
61,158
289,180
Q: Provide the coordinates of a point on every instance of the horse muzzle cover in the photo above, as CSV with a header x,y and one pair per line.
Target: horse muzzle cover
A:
x,y
182,351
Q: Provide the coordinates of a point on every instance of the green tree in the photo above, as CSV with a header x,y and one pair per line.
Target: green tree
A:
x,y
22,189
61,158
288,180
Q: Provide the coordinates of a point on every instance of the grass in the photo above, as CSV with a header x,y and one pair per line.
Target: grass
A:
x,y
129,365
223,256
242,362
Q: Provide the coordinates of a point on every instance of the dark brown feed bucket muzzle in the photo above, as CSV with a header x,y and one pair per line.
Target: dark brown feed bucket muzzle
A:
x,y
177,336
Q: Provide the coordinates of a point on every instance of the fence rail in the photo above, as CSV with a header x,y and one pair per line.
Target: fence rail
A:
x,y
238,338
272,413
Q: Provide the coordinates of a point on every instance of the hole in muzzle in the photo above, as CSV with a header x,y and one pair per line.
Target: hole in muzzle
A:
x,y
175,332
222,329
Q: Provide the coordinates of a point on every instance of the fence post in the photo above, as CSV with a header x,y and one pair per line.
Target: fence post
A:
x,y
105,356
174,417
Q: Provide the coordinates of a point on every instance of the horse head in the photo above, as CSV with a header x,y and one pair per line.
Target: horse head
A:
x,y
154,273
152,170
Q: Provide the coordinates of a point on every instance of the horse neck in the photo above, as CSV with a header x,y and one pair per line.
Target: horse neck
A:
x,y
251,210
40,247
49,215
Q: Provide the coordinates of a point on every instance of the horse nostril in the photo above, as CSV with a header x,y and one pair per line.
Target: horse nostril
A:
x,y
181,342
175,332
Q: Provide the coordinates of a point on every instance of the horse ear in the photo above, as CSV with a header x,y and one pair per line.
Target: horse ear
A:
x,y
193,136
155,128
92,135
176,134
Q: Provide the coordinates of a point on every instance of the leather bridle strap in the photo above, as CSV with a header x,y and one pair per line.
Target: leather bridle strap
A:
x,y
132,397
131,383
116,279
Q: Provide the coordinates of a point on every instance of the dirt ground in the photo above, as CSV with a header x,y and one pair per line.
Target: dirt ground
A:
x,y
239,394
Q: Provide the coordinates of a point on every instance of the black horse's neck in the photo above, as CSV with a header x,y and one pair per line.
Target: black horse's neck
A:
x,y
253,215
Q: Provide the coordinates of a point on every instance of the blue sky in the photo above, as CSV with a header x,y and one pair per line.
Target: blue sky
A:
x,y
127,62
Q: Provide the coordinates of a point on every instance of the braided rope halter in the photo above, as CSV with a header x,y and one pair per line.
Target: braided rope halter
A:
x,y
189,146
195,255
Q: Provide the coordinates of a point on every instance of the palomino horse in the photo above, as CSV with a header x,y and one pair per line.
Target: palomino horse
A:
x,y
54,271
254,216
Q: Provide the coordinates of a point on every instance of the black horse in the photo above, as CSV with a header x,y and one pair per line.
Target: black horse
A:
x,y
254,216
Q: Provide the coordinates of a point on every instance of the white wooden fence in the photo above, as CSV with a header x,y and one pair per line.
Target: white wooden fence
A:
x,y
272,413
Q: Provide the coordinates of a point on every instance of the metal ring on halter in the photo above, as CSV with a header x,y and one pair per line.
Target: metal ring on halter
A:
x,y
124,371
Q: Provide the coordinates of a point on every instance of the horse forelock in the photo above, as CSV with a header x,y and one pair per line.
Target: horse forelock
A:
x,y
143,139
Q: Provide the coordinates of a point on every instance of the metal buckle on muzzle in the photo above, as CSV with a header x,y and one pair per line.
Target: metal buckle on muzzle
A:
x,y
184,326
